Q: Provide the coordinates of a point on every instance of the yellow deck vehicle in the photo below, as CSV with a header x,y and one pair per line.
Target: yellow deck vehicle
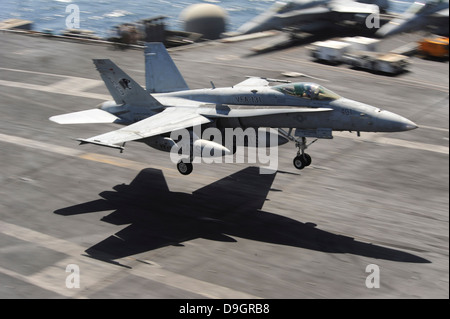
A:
x,y
436,47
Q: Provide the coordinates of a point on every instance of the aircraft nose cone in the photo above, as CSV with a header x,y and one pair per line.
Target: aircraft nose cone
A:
x,y
409,125
391,122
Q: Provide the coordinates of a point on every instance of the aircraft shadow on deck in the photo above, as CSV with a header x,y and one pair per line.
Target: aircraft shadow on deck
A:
x,y
228,208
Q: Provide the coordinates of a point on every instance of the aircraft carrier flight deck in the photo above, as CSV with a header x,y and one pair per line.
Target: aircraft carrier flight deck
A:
x,y
136,228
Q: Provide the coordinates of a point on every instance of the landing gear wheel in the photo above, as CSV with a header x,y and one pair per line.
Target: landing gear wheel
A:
x,y
301,161
307,159
298,162
184,168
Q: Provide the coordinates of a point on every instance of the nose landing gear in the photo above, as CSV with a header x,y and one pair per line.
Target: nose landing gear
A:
x,y
302,159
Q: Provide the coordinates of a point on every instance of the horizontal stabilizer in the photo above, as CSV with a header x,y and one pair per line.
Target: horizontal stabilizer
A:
x,y
85,117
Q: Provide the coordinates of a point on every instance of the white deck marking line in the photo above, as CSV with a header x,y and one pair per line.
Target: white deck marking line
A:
x,y
96,157
413,145
42,73
380,139
434,128
93,273
55,90
76,152
75,85
41,283
40,145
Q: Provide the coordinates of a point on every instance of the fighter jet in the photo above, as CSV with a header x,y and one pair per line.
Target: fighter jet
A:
x,y
313,15
154,115
432,15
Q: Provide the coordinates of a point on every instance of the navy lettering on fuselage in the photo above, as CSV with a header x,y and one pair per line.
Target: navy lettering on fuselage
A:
x,y
248,99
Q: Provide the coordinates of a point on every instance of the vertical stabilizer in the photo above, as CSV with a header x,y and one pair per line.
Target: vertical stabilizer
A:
x,y
122,87
161,73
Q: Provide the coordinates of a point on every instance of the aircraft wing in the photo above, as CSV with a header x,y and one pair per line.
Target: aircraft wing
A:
x,y
171,119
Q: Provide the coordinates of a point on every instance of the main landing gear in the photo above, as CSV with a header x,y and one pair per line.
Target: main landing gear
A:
x,y
185,167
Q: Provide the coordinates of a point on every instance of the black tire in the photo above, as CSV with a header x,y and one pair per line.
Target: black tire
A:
x,y
299,162
307,159
185,168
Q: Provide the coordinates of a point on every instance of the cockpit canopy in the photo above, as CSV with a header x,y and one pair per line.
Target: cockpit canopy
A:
x,y
310,91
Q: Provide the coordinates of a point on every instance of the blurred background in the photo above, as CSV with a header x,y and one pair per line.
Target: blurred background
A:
x,y
102,16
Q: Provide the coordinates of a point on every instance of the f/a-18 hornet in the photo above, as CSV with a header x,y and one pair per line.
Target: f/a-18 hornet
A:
x,y
167,105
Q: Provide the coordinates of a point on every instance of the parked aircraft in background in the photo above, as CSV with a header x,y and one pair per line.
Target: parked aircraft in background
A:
x,y
314,15
431,15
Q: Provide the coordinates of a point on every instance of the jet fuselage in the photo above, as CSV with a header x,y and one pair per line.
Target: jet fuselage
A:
x,y
343,115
